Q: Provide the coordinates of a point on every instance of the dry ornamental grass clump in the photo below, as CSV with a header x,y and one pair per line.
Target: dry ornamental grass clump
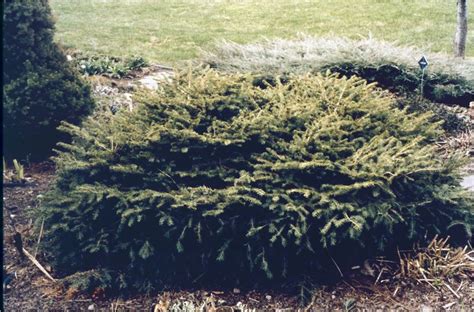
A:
x,y
439,265
235,178
438,261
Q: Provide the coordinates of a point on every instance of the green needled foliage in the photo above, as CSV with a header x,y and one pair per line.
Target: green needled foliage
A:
x,y
40,88
235,179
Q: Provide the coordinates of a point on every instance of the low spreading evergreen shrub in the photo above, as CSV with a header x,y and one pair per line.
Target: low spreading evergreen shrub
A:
x,y
40,88
236,179
447,80
452,122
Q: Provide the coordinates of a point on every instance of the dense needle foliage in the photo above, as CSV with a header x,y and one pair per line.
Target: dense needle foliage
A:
x,y
236,179
40,88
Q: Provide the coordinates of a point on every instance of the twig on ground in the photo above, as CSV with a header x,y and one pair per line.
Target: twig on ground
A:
x,y
452,290
349,285
449,305
426,279
162,66
79,300
337,267
39,238
35,262
396,291
378,277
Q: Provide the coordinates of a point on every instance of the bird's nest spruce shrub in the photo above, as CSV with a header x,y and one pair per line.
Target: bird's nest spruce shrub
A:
x,y
231,178
447,80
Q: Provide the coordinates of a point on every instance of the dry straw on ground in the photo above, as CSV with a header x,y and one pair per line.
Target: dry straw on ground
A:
x,y
438,265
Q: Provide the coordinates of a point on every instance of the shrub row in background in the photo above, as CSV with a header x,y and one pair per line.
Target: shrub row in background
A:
x,y
453,121
236,178
40,88
394,68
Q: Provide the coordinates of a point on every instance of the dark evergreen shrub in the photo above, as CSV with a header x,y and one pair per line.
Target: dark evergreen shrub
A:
x,y
403,80
452,123
233,179
40,88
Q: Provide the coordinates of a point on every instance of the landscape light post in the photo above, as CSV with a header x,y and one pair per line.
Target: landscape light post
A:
x,y
423,62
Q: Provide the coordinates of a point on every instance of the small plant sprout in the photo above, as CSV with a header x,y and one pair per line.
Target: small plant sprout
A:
x,y
19,175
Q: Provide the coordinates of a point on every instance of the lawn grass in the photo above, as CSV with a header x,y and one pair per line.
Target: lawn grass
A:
x,y
168,31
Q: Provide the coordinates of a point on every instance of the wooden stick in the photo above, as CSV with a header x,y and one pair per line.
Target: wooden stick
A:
x,y
348,285
337,267
452,290
459,288
39,238
378,277
449,305
427,280
35,262
395,292
163,66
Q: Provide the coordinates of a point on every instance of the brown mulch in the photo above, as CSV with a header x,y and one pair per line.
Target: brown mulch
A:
x,y
365,288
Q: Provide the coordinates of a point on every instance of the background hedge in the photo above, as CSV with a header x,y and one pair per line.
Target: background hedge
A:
x,y
447,80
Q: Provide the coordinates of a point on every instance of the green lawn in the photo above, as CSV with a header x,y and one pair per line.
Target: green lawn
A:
x,y
168,31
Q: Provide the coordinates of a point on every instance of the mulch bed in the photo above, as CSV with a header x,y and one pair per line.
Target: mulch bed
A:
x,y
28,289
